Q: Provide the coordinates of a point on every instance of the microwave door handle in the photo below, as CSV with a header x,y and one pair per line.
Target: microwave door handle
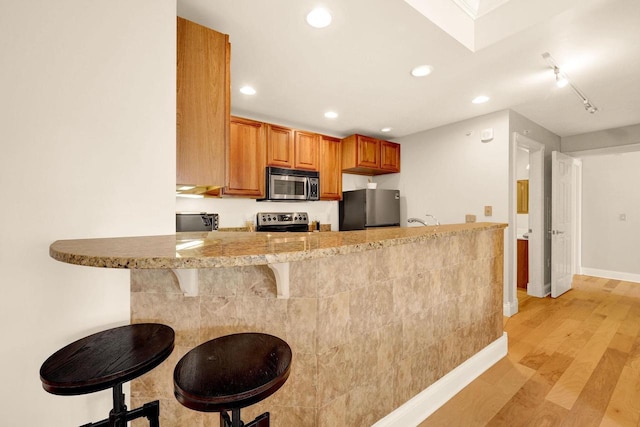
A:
x,y
307,183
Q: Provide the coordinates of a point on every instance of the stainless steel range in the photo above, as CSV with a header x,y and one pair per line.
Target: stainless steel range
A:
x,y
282,221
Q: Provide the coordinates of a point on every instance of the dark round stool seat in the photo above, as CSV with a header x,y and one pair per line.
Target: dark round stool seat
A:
x,y
107,359
232,372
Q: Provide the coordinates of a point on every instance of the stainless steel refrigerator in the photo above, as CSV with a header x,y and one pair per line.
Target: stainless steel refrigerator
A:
x,y
360,209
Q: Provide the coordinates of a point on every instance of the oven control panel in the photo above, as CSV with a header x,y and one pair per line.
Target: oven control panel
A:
x,y
282,218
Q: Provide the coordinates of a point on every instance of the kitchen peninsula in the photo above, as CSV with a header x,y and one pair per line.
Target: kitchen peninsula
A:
x,y
373,317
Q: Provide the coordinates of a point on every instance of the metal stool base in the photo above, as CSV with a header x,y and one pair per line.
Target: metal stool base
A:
x,y
260,421
119,416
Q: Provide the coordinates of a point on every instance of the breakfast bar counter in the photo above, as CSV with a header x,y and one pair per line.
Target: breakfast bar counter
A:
x,y
230,249
373,317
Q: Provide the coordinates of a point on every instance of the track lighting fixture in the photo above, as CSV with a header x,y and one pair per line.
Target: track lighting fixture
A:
x,y
562,80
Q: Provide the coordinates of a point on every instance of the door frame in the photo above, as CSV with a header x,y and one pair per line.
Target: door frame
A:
x,y
536,285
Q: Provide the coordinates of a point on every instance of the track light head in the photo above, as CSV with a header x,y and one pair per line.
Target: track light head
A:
x,y
561,78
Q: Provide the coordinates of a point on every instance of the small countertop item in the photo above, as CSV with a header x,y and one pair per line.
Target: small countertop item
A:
x,y
220,249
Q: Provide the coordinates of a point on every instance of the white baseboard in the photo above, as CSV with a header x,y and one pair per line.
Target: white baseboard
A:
x,y
616,275
425,403
510,308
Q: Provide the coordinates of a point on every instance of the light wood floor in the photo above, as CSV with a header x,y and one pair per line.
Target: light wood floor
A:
x,y
573,361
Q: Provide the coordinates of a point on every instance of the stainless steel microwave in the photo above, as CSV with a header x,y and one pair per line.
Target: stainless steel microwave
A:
x,y
291,184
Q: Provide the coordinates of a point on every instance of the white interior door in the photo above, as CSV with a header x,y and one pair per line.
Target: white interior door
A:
x,y
563,220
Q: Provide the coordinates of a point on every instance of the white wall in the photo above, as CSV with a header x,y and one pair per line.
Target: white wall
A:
x,y
87,127
448,172
607,138
609,189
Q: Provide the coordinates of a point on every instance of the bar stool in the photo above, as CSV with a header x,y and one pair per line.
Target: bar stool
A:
x,y
230,373
108,359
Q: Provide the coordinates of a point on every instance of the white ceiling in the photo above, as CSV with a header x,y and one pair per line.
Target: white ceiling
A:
x,y
359,66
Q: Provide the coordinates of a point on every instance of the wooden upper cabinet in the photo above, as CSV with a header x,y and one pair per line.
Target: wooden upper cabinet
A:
x,y
202,104
330,169
246,158
390,156
369,156
306,150
368,150
280,146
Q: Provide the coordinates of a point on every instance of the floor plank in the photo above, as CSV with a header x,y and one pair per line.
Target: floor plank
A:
x,y
573,361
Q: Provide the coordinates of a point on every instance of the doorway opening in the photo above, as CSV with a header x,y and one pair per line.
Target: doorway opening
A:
x,y
527,226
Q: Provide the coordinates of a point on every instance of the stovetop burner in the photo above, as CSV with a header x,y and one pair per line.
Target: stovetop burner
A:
x,y
282,221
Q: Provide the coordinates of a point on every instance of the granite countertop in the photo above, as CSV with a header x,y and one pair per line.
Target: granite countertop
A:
x,y
228,249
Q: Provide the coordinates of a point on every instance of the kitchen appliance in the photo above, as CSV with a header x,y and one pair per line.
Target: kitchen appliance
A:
x,y
360,209
291,184
282,221
196,221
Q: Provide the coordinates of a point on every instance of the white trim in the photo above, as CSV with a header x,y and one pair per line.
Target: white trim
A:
x,y
536,224
607,274
419,407
510,308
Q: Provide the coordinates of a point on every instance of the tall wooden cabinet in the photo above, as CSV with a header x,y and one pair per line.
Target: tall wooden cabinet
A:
x,y
329,168
246,158
202,104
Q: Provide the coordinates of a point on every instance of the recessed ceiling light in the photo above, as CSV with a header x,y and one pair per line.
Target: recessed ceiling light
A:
x,y
421,70
331,115
247,90
385,130
480,99
319,18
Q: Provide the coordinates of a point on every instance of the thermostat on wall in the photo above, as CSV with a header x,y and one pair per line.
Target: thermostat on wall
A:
x,y
486,135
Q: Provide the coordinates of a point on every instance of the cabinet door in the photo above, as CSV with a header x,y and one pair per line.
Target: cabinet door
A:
x,y
368,152
390,156
306,151
330,168
246,159
523,263
279,146
202,104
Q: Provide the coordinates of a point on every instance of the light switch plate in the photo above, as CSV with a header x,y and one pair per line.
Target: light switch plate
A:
x,y
470,218
488,210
